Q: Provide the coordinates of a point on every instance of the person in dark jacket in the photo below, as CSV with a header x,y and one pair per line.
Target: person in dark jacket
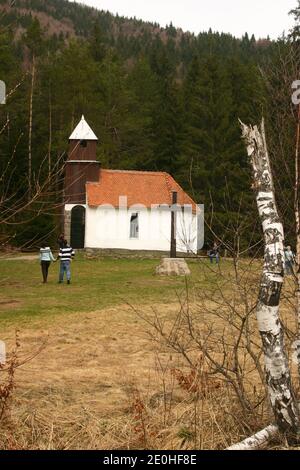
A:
x,y
214,253
66,254
60,240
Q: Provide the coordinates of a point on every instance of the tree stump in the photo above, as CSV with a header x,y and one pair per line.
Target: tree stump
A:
x,y
173,267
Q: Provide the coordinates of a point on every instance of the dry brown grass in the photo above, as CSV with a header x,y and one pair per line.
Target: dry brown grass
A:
x,y
101,383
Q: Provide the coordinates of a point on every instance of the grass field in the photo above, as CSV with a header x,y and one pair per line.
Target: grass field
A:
x,y
101,380
96,284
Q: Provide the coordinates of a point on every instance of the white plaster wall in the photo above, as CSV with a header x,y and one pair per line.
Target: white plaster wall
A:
x,y
107,227
69,207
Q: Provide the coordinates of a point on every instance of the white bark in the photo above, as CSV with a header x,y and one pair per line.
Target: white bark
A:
x,y
257,441
277,371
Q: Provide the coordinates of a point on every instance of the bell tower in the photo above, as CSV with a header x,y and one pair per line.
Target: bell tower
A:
x,y
81,167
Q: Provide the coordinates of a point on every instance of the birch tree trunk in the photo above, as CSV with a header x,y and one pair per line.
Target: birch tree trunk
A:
x,y
257,441
30,130
277,371
50,135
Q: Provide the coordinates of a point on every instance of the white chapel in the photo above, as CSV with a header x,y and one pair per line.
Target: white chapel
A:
x,y
127,210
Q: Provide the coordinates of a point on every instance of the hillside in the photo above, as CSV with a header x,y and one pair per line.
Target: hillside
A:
x,y
70,19
64,19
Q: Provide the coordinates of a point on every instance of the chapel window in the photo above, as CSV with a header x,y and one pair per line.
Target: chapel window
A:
x,y
134,225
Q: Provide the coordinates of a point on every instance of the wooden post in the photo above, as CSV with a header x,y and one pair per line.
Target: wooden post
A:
x,y
173,225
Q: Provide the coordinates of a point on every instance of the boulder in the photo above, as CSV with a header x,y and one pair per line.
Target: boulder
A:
x,y
173,267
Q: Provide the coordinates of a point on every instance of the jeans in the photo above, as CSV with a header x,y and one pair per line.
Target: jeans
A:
x,y
45,268
216,256
289,267
65,266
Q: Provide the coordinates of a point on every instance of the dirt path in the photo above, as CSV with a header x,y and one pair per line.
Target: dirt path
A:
x,y
19,258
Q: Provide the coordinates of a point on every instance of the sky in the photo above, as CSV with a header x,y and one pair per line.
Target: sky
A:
x,y
259,17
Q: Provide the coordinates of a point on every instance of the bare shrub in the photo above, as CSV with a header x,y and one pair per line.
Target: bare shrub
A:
x,y
7,380
8,370
215,338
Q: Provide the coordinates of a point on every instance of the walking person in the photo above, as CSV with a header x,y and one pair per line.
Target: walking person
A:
x,y
66,254
289,260
46,257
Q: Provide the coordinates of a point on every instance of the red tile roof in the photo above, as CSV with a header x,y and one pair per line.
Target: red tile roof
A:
x,y
141,187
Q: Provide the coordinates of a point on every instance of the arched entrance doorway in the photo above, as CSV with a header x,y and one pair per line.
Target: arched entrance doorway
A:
x,y
77,227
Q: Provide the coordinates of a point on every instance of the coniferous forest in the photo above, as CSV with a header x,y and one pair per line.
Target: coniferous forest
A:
x,y
157,97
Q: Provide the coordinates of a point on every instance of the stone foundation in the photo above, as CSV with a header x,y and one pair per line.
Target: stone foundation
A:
x,y
139,254
122,253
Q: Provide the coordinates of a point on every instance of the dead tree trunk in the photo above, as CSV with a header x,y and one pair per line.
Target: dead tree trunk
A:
x,y
277,371
257,441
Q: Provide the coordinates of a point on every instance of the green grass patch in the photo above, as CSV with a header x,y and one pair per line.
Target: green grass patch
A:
x,y
96,284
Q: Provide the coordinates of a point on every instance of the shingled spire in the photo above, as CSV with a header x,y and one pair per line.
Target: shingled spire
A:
x,y
83,131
